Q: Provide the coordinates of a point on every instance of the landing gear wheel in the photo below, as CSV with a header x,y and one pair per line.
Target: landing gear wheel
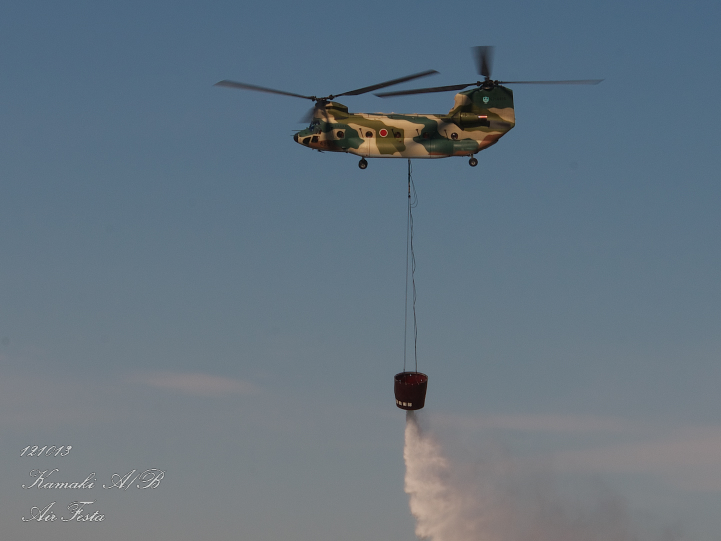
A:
x,y
363,163
473,162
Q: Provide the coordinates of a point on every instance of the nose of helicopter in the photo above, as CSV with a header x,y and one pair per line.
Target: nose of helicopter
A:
x,y
295,138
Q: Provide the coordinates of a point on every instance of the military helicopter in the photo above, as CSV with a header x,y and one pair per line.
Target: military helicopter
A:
x,y
478,119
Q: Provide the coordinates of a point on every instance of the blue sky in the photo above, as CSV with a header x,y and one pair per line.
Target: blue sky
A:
x,y
183,287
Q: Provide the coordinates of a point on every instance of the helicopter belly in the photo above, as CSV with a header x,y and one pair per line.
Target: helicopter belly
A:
x,y
408,148
450,141
434,148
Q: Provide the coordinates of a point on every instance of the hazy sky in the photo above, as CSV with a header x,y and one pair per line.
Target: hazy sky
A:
x,y
183,287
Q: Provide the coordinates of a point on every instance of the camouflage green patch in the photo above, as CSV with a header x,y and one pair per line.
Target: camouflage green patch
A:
x,y
338,110
465,147
481,102
343,135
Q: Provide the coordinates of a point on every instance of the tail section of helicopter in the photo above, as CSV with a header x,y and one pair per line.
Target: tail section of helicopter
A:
x,y
478,119
485,115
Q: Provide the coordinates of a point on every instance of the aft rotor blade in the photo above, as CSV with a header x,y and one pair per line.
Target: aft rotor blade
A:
x,y
424,90
244,86
573,82
484,59
387,83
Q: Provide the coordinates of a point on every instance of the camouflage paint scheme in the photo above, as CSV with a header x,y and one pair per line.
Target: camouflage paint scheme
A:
x,y
478,119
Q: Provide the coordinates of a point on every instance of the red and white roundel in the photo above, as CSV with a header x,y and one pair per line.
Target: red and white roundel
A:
x,y
383,132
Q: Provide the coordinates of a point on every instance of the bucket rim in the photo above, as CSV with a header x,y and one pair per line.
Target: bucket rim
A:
x,y
399,377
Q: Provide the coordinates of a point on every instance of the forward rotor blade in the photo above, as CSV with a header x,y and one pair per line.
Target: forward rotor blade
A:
x,y
317,111
424,90
244,86
484,59
308,116
387,83
573,82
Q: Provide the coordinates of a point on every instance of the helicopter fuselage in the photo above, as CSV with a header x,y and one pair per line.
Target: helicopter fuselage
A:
x,y
478,119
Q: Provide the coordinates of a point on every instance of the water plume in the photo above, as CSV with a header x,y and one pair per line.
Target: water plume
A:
x,y
497,500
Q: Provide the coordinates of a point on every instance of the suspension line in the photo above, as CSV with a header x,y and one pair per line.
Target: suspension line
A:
x,y
410,271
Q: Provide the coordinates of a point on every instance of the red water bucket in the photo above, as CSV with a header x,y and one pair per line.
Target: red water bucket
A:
x,y
410,390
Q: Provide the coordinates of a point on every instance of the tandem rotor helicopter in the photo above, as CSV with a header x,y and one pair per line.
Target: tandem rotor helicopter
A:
x,y
479,118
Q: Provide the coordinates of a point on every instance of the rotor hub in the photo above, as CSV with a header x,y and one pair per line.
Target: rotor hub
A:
x,y
488,84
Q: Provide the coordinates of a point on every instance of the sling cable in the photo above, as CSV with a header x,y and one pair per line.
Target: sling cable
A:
x,y
410,386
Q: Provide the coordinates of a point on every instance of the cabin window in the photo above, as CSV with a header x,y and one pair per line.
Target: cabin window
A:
x,y
397,135
454,136
305,140
340,134
314,139
369,134
426,135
